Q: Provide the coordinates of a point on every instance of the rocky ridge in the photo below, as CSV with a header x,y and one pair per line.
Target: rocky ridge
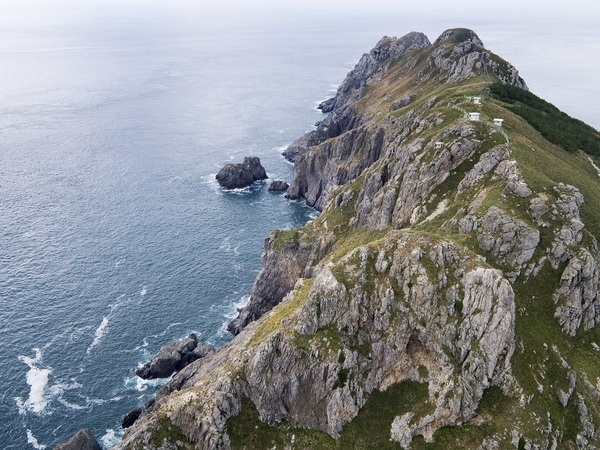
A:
x,y
455,270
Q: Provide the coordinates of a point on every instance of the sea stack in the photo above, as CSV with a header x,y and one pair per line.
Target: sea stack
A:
x,y
241,175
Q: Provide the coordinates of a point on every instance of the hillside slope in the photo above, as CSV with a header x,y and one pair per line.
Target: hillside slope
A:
x,y
447,296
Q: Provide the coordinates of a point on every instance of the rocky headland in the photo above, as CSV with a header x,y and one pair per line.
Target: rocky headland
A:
x,y
446,297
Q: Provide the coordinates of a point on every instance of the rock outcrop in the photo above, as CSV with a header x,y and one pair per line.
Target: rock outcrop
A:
x,y
173,357
82,440
278,186
452,257
233,176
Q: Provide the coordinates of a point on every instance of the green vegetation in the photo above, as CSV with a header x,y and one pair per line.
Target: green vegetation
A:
x,y
167,432
369,430
272,322
556,126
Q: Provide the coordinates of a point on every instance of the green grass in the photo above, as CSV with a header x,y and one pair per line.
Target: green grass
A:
x,y
169,433
272,321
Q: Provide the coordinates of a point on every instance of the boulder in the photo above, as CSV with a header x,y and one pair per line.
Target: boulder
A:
x,y
278,186
82,440
174,357
233,176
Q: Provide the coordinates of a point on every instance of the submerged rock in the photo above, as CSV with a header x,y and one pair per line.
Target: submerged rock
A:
x,y
233,176
82,440
174,357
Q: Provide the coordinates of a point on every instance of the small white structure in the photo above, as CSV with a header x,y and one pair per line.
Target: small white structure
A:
x,y
474,116
438,145
498,122
477,100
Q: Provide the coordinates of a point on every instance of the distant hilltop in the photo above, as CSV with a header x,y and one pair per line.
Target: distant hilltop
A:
x,y
446,297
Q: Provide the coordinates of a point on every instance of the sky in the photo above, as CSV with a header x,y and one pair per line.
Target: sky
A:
x,y
582,9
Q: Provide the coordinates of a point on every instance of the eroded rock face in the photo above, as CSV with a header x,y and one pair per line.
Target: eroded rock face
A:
x,y
233,176
510,240
578,294
453,328
82,440
283,266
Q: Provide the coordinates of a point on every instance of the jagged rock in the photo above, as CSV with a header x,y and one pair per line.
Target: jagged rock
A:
x,y
278,186
283,266
130,418
327,106
538,208
487,162
233,176
578,296
510,240
404,101
82,440
173,357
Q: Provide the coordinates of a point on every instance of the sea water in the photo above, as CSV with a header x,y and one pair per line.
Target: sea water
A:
x,y
114,236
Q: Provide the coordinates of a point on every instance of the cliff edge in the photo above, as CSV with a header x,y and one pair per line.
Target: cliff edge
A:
x,y
447,296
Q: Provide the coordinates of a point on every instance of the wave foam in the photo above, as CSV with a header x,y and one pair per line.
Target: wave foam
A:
x,y
141,385
37,379
31,439
100,332
111,438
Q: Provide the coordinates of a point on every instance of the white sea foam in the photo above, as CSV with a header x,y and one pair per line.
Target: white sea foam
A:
x,y
142,385
100,332
111,437
37,379
144,291
31,439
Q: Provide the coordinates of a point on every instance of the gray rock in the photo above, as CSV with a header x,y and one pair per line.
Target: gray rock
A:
x,y
327,106
510,240
278,186
404,101
174,357
578,296
82,440
233,176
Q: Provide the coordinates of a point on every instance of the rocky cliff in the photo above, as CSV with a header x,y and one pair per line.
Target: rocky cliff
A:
x,y
447,296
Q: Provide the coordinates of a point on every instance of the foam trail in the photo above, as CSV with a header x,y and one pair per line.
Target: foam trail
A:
x,y
141,385
111,438
38,380
144,291
100,332
31,439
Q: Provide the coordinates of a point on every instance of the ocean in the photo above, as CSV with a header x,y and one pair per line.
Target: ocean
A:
x,y
115,238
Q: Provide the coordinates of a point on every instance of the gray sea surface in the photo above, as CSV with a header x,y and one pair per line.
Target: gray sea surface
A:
x,y
114,236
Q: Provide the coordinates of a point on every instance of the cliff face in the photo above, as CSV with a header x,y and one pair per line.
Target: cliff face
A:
x,y
448,294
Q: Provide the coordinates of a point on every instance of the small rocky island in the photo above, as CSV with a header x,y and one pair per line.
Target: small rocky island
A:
x,y
241,175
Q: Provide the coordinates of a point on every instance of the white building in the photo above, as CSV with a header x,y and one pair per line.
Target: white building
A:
x,y
477,100
474,116
498,122
438,145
